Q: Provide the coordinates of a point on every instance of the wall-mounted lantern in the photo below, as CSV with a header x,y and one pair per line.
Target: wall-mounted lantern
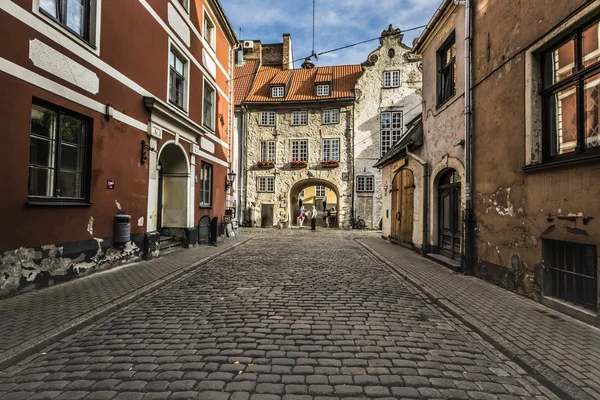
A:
x,y
230,179
145,149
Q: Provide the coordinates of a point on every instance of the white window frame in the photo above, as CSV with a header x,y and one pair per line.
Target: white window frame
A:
x,y
186,75
267,118
212,125
320,191
93,45
391,79
268,150
365,183
391,135
265,184
210,184
328,149
299,118
323,89
184,4
331,116
212,30
299,147
278,91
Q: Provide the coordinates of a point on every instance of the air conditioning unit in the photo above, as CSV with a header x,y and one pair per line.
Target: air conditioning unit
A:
x,y
248,44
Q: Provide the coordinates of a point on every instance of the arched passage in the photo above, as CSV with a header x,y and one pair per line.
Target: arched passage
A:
x,y
319,192
173,188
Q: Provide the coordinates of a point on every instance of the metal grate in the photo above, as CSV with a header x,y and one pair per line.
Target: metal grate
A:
x,y
573,272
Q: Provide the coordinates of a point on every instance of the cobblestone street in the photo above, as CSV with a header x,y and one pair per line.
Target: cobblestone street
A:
x,y
293,315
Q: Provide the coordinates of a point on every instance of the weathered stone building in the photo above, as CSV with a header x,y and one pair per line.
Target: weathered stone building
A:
x,y
297,132
536,186
388,95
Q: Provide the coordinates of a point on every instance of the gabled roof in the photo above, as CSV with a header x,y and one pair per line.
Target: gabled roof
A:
x,y
242,80
413,139
302,88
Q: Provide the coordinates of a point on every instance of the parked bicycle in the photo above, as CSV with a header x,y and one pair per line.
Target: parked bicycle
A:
x,y
355,223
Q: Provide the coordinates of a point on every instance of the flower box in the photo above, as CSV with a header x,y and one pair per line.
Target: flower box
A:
x,y
266,164
330,163
298,164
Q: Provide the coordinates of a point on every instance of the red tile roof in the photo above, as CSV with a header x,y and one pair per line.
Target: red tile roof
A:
x,y
281,78
242,80
302,88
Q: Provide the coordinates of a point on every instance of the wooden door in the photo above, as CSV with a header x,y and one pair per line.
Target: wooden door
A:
x,y
407,206
396,197
266,216
449,224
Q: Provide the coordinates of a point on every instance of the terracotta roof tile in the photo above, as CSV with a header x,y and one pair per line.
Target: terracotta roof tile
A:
x,y
302,88
242,79
281,78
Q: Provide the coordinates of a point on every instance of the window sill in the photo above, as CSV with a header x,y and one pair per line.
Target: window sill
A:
x,y
561,164
54,203
210,128
205,207
391,87
442,104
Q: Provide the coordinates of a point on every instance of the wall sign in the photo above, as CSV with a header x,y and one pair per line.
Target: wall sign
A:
x,y
110,184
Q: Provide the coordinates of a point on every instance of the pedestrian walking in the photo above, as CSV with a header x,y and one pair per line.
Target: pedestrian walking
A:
x,y
313,219
301,217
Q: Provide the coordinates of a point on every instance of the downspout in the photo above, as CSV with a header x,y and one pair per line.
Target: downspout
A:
x,y
424,247
352,177
245,165
469,214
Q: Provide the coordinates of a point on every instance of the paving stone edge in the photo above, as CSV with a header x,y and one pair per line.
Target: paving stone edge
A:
x,y
24,350
561,387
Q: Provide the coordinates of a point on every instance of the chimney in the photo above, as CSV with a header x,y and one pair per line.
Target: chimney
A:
x,y
288,55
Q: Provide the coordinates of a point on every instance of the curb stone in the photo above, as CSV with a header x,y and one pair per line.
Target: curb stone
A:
x,y
30,347
561,387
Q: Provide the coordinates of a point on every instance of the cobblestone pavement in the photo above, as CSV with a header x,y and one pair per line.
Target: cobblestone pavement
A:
x,y
564,351
39,316
292,315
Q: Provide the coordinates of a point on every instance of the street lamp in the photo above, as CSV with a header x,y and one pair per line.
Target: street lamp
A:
x,y
230,180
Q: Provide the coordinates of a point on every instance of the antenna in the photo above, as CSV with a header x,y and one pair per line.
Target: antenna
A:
x,y
313,35
240,35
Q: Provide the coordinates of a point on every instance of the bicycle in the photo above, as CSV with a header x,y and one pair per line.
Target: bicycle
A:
x,y
355,223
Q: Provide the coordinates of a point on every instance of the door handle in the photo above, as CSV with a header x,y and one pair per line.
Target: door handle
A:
x,y
398,216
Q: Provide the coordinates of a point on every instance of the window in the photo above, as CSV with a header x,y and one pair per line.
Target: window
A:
x,y
391,129
364,183
300,150
299,117
323,90
301,194
277,91
209,106
183,3
176,79
391,79
209,31
205,185
58,154
572,272
266,184
319,191
571,87
267,118
331,116
72,14
446,82
331,149
267,150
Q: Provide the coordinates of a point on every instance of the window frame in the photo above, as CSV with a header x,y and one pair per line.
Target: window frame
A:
x,y
268,118
86,155
317,191
391,130
337,114
321,86
209,190
270,148
212,125
277,88
576,81
330,151
299,150
264,182
365,180
391,79
87,37
303,117
211,26
443,97
172,70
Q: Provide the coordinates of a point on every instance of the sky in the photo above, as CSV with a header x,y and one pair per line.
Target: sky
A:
x,y
337,23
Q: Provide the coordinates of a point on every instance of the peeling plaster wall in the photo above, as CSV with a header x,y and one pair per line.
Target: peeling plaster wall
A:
x,y
372,99
516,210
315,131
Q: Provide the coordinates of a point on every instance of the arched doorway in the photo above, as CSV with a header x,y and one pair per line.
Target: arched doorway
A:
x,y
322,194
449,224
173,191
403,189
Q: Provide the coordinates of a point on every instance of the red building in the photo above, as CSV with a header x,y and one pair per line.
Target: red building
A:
x,y
109,107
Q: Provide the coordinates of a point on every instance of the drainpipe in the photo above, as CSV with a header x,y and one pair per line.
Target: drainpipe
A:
x,y
425,165
469,214
352,177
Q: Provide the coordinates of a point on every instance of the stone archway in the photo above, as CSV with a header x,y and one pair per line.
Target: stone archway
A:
x,y
173,188
323,201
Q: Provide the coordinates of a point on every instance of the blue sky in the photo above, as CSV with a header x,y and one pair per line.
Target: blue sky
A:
x,y
338,23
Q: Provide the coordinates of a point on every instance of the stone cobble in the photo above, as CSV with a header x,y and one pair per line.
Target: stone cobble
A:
x,y
294,315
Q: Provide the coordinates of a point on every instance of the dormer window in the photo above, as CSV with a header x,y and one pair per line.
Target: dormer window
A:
x,y
277,91
323,89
